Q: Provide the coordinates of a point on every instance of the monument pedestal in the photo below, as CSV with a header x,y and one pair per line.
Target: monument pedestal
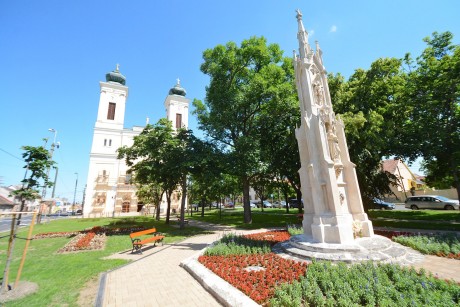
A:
x,y
375,248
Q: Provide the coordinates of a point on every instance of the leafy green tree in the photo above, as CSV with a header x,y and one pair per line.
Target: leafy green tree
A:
x,y
370,105
279,148
151,194
242,80
38,161
153,159
432,129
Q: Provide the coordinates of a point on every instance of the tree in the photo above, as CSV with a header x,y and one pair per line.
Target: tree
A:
x,y
242,80
370,105
151,194
38,161
279,148
153,159
432,129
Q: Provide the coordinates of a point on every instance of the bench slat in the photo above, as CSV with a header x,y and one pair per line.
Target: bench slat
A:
x,y
142,233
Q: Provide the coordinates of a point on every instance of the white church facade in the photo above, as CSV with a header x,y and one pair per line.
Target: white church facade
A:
x,y
109,189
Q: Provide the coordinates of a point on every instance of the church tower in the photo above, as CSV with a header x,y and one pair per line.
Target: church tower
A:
x,y
177,106
107,138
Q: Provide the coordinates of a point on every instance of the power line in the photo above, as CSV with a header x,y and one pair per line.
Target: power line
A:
x,y
10,154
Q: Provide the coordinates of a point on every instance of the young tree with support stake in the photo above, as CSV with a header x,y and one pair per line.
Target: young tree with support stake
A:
x,y
38,161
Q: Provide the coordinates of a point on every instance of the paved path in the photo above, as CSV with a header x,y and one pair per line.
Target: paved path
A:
x,y
156,279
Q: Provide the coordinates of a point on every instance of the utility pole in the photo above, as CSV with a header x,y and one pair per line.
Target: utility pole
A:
x,y
39,216
53,145
55,179
74,195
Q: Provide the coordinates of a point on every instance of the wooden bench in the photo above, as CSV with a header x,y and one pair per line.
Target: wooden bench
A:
x,y
138,243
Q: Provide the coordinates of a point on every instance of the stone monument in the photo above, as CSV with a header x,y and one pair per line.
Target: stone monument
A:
x,y
335,225
332,200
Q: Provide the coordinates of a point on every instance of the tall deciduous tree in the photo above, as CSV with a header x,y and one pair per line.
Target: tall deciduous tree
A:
x,y
432,130
153,158
242,80
370,105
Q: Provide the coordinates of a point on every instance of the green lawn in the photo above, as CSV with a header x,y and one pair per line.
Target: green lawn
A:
x,y
426,215
270,217
60,277
416,219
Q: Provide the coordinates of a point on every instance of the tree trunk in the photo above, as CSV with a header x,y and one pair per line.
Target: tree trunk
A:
x,y
286,199
299,200
14,228
168,209
182,203
246,204
203,202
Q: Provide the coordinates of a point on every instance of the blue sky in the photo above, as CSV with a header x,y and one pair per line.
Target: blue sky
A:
x,y
54,53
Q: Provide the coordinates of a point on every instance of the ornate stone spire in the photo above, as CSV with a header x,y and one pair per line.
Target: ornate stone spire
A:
x,y
330,188
302,35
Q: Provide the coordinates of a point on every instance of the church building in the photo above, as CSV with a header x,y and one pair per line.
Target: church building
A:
x,y
109,188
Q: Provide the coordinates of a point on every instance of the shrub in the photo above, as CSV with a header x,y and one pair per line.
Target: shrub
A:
x,y
295,229
370,284
444,245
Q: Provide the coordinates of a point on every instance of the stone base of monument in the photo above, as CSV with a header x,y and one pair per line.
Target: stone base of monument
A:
x,y
375,248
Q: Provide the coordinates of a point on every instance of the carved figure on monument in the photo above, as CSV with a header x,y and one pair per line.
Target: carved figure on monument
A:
x,y
319,93
333,140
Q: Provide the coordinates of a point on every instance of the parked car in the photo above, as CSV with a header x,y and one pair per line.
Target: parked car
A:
x,y
267,204
382,205
293,203
79,212
280,204
229,205
253,204
431,202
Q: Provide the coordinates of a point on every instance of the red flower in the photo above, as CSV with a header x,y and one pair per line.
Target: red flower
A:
x,y
255,275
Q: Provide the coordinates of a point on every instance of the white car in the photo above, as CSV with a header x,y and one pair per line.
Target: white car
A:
x,y
431,202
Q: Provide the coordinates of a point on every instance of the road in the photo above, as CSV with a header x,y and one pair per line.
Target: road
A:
x,y
5,222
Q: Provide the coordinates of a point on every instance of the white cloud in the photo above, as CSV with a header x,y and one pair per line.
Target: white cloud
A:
x,y
333,29
311,32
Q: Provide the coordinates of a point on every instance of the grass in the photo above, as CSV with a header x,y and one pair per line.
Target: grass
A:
x,y
60,277
424,215
269,218
416,219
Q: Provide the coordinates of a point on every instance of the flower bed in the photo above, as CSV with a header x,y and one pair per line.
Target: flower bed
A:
x,y
85,242
271,237
441,245
61,234
89,239
391,234
255,275
366,284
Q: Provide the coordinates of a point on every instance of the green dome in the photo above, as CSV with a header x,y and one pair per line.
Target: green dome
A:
x,y
115,76
177,90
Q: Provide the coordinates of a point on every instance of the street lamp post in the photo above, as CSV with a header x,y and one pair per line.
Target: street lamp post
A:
x,y
74,195
53,145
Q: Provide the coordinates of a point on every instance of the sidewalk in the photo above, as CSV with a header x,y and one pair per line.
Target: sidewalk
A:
x,y
156,279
